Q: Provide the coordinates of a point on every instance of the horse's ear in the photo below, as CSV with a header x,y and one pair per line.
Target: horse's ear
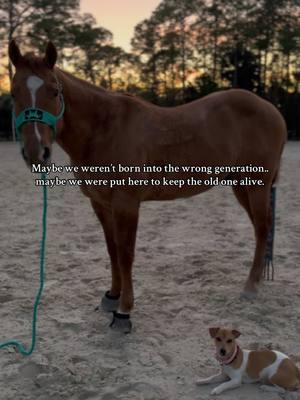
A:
x,y
50,55
14,53
213,332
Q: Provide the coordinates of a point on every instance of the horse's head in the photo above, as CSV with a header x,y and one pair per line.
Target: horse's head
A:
x,y
38,103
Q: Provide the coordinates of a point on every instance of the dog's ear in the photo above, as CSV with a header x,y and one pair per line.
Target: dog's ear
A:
x,y
236,333
213,332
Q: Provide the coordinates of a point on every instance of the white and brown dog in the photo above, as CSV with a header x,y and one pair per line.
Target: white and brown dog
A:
x,y
246,366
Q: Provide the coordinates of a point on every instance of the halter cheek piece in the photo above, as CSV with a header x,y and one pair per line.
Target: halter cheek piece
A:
x,y
38,115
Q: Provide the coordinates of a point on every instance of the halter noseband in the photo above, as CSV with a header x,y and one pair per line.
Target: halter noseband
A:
x,y
38,115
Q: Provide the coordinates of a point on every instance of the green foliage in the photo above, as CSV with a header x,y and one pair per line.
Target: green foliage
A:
x,y
35,21
241,68
51,21
205,85
87,41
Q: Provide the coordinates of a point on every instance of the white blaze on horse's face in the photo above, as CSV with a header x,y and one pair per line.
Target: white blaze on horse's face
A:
x,y
33,84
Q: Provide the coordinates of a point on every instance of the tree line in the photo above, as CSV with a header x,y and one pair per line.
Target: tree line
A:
x,y
183,51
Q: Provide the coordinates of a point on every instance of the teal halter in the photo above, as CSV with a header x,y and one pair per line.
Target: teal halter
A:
x,y
38,115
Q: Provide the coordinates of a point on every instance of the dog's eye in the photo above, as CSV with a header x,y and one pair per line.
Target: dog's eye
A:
x,y
229,341
218,339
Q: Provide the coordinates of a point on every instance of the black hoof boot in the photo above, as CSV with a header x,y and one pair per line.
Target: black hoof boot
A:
x,y
109,303
121,322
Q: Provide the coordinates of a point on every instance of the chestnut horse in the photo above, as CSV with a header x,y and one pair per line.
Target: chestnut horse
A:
x,y
99,127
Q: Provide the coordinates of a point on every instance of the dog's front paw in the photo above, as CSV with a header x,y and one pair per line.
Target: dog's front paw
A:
x,y
216,391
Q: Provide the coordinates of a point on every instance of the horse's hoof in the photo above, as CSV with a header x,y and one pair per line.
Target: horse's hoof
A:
x,y
250,290
248,295
121,322
109,303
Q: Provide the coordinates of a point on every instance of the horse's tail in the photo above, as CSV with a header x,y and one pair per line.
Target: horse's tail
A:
x,y
276,177
298,373
269,267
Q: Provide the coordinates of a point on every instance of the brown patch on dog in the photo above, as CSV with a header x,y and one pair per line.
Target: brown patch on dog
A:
x,y
286,375
258,360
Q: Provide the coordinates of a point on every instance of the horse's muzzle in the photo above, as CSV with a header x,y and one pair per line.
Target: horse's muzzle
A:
x,y
44,158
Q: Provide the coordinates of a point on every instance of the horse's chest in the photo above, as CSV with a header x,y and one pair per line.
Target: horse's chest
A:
x,y
95,187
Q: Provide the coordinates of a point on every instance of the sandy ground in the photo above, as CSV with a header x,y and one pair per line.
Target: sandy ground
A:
x,y
192,259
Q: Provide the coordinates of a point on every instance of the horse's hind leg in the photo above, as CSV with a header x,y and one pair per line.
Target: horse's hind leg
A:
x,y
110,301
242,196
259,201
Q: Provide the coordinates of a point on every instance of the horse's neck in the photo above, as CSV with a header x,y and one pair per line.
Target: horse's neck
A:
x,y
86,110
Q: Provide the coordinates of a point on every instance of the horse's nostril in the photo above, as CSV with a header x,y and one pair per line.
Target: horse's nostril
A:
x,y
46,154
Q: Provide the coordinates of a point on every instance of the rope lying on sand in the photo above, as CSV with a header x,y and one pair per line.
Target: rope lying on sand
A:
x,y
19,346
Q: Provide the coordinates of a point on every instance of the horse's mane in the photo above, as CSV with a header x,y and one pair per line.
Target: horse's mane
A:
x,y
35,63
100,89
82,81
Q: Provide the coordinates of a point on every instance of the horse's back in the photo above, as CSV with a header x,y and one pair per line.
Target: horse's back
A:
x,y
239,117
236,109
229,127
264,131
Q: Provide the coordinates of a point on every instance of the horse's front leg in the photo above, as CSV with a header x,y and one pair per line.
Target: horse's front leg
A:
x,y
110,301
125,222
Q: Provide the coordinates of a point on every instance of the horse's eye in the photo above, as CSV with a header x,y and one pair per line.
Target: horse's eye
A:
x,y
218,339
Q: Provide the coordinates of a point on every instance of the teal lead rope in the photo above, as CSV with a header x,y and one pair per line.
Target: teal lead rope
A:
x,y
15,343
43,117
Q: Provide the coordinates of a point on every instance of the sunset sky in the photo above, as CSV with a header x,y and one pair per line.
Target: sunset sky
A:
x,y
120,16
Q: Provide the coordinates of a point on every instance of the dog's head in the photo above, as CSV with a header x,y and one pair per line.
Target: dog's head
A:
x,y
224,341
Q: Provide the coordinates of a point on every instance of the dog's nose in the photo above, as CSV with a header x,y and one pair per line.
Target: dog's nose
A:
x,y
222,352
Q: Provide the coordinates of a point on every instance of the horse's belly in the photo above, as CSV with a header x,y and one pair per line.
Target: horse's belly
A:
x,y
172,192
180,186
